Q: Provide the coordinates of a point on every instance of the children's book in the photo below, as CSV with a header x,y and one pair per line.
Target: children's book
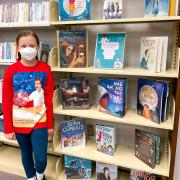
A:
x,y
141,175
164,53
145,148
43,52
1,85
77,168
74,10
105,139
75,93
72,48
109,53
156,8
112,9
106,171
112,95
73,133
1,123
149,99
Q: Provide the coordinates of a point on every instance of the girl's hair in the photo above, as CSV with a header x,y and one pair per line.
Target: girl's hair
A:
x,y
26,33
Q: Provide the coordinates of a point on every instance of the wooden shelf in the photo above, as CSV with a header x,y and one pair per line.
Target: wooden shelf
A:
x,y
127,71
117,21
123,157
131,117
10,162
6,63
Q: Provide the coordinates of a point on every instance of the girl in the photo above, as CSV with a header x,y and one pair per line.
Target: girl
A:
x,y
23,120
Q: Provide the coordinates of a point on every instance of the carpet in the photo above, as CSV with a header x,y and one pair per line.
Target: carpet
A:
x,y
7,176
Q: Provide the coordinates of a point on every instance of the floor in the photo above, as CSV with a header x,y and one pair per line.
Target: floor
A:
x,y
7,176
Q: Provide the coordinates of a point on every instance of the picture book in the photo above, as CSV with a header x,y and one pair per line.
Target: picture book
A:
x,y
164,53
149,99
109,52
75,93
1,123
145,148
77,168
72,48
73,133
112,95
1,84
141,175
156,8
43,52
106,171
105,139
74,10
112,9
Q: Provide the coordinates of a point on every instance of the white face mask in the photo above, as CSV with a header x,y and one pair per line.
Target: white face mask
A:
x,y
28,53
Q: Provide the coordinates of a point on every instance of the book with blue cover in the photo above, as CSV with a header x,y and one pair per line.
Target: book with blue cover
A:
x,y
109,52
149,99
105,139
74,10
112,95
73,133
156,8
77,168
1,123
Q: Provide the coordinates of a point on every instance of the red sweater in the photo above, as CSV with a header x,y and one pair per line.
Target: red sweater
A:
x,y
26,89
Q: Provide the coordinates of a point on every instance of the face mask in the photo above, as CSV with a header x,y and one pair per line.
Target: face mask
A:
x,y
28,53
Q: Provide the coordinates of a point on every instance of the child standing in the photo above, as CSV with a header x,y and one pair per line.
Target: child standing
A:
x,y
24,119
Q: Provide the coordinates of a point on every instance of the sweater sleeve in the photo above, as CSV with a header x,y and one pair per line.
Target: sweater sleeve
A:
x,y
7,101
48,95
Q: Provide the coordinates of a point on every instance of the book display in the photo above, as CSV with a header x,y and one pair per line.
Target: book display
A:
x,y
116,100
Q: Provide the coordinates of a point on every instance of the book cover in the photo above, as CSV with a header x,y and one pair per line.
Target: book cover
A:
x,y
141,175
164,53
109,52
72,48
75,93
149,53
145,148
156,8
112,95
149,99
1,85
74,10
112,9
105,139
106,171
77,168
1,123
73,133
43,53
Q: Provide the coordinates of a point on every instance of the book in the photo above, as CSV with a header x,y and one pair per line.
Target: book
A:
x,y
77,168
149,99
1,85
112,96
1,123
72,48
145,148
43,53
106,171
75,93
73,133
112,9
164,53
141,175
74,10
109,52
105,139
156,8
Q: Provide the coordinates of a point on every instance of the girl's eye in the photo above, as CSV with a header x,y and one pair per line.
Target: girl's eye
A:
x,y
32,46
23,46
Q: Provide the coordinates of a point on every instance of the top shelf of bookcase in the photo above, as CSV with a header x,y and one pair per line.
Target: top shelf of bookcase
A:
x,y
118,21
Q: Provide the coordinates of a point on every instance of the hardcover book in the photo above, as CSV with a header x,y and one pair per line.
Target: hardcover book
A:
x,y
109,53
145,148
73,133
72,48
156,8
106,171
74,10
112,9
77,168
43,52
1,123
112,95
75,93
105,139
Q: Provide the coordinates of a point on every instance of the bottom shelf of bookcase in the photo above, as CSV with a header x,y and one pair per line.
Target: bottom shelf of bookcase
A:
x,y
10,162
123,157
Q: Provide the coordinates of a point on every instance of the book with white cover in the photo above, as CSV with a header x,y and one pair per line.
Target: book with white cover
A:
x,y
159,54
164,53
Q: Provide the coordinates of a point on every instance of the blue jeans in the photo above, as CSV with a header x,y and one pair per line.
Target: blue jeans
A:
x,y
34,143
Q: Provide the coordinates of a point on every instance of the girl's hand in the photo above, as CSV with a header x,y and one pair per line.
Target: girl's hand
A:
x,y
10,136
50,132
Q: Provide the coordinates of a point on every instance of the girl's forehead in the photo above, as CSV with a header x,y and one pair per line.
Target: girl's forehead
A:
x,y
27,39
